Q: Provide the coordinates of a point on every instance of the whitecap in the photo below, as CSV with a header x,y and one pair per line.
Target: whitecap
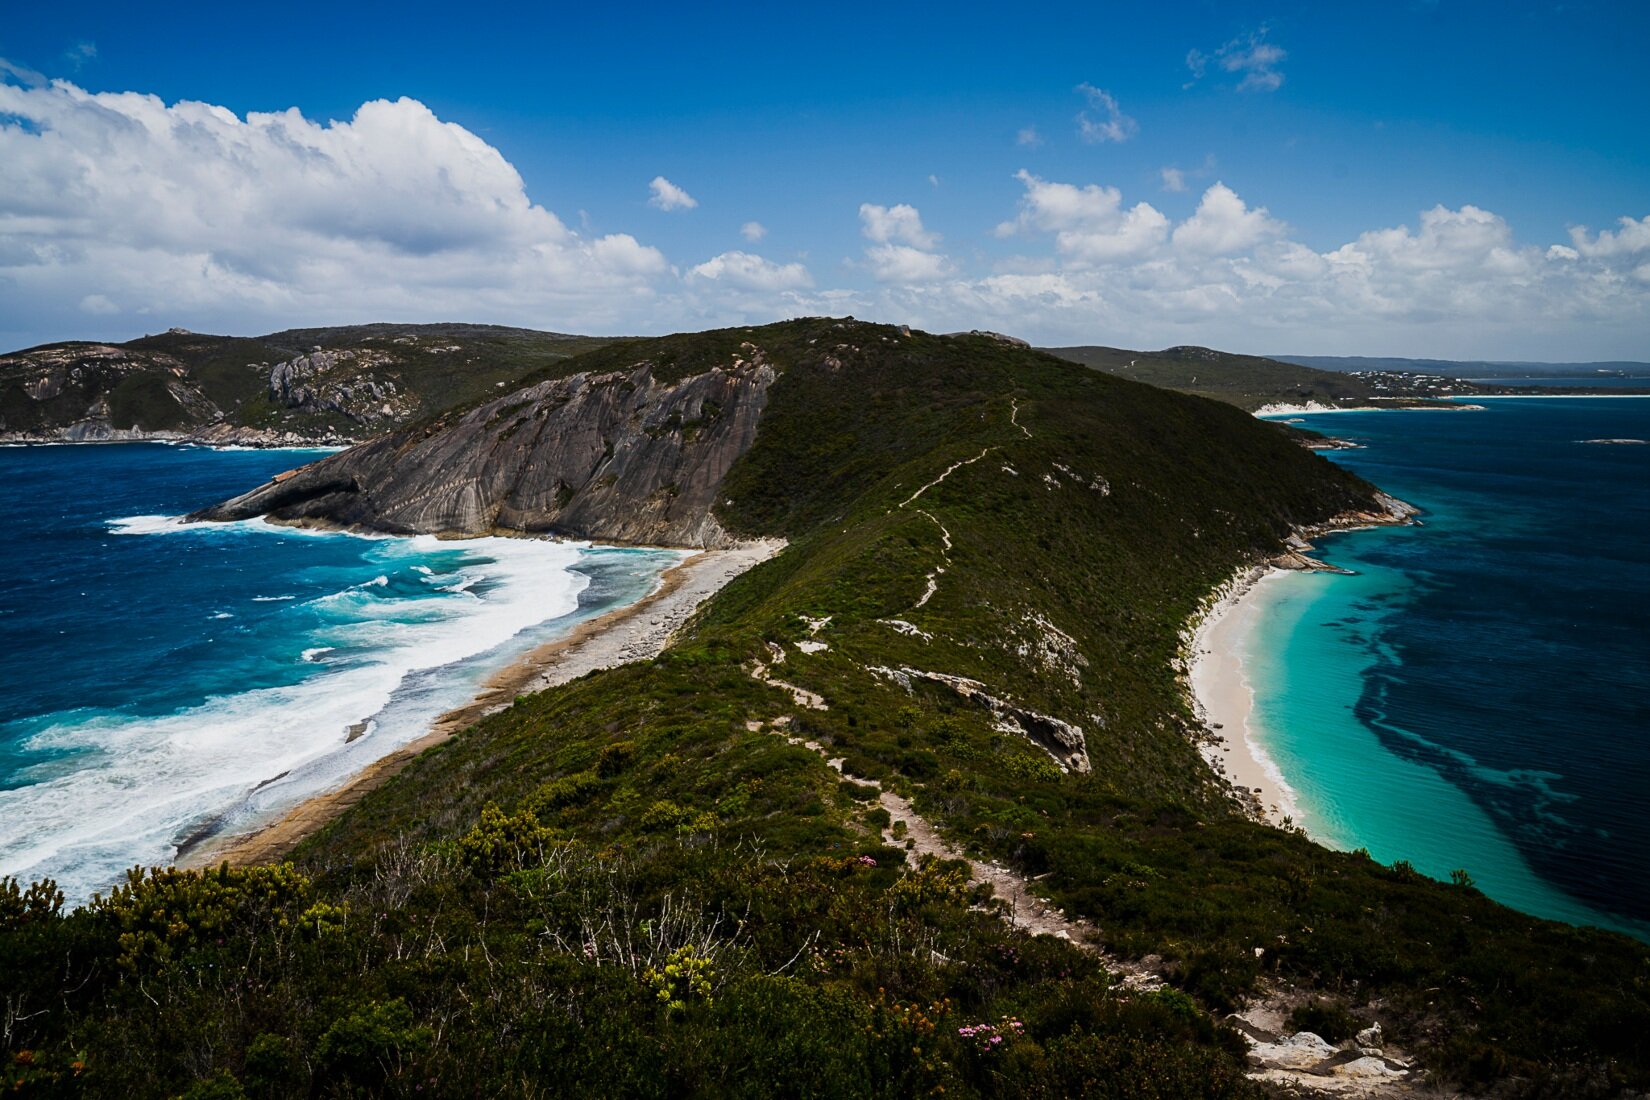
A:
x,y
141,782
147,525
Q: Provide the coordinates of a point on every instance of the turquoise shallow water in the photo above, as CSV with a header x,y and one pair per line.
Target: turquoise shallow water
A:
x,y
1475,696
160,681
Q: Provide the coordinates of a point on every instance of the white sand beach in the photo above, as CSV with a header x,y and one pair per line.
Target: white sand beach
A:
x,y
636,632
1222,696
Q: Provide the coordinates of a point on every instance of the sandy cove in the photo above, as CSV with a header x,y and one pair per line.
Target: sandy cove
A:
x,y
1217,681
1223,698
636,632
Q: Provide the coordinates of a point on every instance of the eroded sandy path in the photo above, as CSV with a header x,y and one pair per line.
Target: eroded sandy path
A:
x,y
1300,1061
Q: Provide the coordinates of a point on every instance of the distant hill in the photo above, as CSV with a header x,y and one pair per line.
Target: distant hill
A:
x,y
1465,368
1248,381
301,385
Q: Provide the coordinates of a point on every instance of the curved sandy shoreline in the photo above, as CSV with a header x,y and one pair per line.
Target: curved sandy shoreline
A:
x,y
635,632
1224,699
1217,684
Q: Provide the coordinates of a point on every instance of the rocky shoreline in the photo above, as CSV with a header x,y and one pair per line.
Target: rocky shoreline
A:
x,y
214,435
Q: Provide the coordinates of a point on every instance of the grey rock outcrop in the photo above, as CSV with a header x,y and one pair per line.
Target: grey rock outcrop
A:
x,y
619,457
314,383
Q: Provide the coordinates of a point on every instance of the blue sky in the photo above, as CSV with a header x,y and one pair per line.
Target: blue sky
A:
x,y
1412,178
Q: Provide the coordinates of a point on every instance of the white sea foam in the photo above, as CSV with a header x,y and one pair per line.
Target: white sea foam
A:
x,y
171,525
147,525
272,599
139,785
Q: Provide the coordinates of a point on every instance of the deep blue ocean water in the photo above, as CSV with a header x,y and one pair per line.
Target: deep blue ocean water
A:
x,y
1478,695
1592,381
159,680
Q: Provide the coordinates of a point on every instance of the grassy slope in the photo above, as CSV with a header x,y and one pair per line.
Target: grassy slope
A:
x,y
635,811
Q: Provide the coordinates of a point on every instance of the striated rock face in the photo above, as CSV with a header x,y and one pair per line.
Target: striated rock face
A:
x,y
341,382
619,457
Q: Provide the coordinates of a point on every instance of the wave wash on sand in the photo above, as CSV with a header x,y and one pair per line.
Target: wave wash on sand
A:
x,y
325,687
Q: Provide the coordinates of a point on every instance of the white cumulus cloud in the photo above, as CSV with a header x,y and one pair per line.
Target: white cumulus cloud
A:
x,y
900,223
903,250
1089,223
753,231
667,196
1455,282
900,263
748,272
121,213
1224,223
1632,239
190,213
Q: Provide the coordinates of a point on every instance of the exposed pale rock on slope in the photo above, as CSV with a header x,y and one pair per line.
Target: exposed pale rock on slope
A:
x,y
292,388
616,456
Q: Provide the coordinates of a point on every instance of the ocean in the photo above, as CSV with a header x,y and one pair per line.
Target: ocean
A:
x,y
1592,381
161,681
1477,695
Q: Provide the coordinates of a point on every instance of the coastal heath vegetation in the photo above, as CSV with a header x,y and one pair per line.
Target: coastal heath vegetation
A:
x,y
640,883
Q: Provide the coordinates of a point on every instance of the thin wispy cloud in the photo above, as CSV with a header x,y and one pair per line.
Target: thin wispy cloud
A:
x,y
1174,179
1104,120
80,55
1029,137
22,74
667,196
753,231
1250,56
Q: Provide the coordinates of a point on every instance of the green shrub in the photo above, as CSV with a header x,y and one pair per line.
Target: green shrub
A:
x,y
220,1086
160,914
40,901
375,1043
501,842
272,1065
568,790
615,758
685,977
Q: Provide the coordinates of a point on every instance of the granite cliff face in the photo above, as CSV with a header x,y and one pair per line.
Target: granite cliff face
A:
x,y
344,382
617,456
